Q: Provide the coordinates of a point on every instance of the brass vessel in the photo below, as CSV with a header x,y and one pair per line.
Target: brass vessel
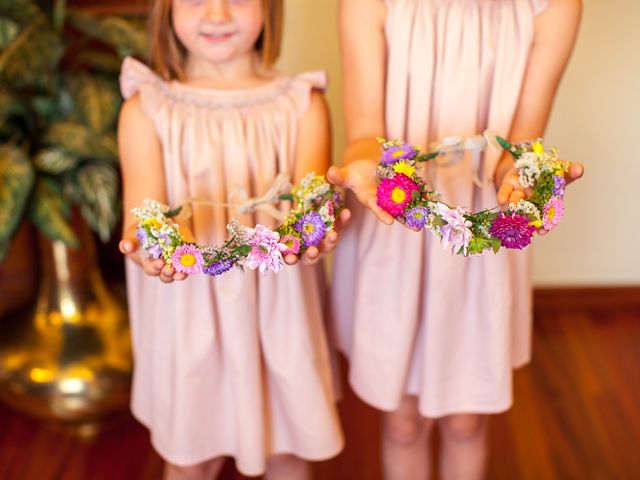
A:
x,y
71,359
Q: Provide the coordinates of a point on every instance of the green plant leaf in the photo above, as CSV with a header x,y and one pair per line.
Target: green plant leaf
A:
x,y
97,194
20,11
49,211
16,183
80,141
106,62
10,107
54,161
31,57
4,248
126,37
8,32
96,98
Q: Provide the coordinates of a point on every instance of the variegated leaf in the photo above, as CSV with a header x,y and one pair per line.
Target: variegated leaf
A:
x,y
106,148
54,160
49,211
125,36
8,32
98,186
16,183
72,137
21,11
31,56
96,98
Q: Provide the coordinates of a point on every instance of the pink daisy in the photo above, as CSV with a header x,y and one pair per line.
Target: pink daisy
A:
x,y
552,212
395,193
187,259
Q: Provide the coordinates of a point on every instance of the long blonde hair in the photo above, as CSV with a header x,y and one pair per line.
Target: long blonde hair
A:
x,y
167,55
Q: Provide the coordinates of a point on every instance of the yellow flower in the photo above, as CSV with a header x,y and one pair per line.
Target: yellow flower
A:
x,y
538,148
153,223
398,195
403,167
536,223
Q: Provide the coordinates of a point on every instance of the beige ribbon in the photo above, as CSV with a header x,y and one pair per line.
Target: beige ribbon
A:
x,y
241,202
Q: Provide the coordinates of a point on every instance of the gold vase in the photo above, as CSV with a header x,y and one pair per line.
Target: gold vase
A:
x,y
71,360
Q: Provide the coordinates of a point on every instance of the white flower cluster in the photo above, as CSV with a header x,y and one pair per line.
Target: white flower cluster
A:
x,y
526,208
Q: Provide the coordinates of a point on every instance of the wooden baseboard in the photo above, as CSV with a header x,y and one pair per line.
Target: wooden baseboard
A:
x,y
587,297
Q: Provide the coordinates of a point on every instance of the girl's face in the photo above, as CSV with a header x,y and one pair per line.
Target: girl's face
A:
x,y
218,31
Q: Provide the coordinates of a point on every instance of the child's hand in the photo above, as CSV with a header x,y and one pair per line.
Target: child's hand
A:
x,y
360,177
313,254
155,267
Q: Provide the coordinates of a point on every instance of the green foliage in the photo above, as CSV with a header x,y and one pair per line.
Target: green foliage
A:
x,y
543,190
59,102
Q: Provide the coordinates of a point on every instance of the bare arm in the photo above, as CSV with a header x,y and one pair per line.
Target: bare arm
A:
x,y
555,35
142,177
363,47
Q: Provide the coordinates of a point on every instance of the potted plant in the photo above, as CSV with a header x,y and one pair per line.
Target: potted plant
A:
x,y
59,101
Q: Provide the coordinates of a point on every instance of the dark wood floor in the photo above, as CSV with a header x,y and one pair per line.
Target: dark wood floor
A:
x,y
576,416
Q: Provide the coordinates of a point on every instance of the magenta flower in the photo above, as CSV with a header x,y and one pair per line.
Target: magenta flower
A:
x,y
552,212
187,259
395,193
396,153
456,231
291,243
265,254
513,230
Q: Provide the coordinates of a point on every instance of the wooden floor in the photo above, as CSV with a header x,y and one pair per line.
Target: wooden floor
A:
x,y
576,416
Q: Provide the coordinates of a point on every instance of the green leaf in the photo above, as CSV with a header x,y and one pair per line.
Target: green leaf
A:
x,y
106,62
503,143
31,57
96,98
54,161
99,199
80,141
20,11
126,37
286,196
242,250
495,244
16,183
174,212
49,211
10,107
8,32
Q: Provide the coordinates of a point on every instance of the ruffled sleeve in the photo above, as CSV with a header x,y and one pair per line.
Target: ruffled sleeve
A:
x,y
539,6
303,84
136,77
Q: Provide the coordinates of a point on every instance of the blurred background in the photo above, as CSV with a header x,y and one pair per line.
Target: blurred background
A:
x,y
575,412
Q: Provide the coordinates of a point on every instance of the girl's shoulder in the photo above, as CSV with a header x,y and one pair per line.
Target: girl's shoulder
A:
x,y
136,77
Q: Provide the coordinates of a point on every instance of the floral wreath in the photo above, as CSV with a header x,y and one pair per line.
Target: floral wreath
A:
x,y
403,194
262,248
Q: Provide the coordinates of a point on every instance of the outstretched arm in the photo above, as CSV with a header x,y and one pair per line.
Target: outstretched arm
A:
x,y
363,47
555,35
142,177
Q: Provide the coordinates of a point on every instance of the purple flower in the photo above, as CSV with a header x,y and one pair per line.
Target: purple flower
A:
x,y
142,235
266,251
155,250
513,230
187,259
396,153
558,184
218,267
395,193
552,212
417,217
311,227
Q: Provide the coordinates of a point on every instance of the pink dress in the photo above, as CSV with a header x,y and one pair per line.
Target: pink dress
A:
x,y
234,365
411,317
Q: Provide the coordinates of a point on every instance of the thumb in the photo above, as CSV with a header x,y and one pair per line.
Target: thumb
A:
x,y
336,176
129,242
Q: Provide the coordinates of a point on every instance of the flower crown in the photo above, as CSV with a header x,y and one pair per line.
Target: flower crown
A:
x,y
403,194
262,248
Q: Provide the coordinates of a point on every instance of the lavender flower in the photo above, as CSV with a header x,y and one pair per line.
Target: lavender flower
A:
x,y
558,184
311,228
456,231
417,217
218,267
266,251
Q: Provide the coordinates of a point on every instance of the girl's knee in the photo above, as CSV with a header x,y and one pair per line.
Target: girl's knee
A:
x,y
405,428
462,427
201,471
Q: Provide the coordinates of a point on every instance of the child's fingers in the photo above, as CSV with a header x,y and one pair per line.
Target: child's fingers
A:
x,y
576,170
504,193
343,219
127,246
166,274
336,176
311,256
516,196
152,267
291,259
329,243
179,276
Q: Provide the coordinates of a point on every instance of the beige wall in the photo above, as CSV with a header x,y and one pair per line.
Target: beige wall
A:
x,y
596,119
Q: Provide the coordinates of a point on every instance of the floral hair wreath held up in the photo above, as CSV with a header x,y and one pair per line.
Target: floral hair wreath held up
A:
x,y
403,194
316,205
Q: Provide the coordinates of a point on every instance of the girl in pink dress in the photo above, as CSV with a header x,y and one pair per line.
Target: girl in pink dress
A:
x,y
235,365
430,335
